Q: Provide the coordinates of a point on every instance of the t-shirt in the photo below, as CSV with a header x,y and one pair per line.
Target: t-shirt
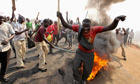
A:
x,y
5,31
131,34
55,29
29,25
49,30
38,36
120,36
19,28
14,25
90,36
36,26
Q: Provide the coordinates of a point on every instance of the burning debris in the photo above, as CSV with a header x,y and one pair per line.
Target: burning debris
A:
x,y
99,63
104,45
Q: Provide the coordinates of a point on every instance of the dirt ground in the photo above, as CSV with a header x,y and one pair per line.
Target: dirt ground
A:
x,y
119,71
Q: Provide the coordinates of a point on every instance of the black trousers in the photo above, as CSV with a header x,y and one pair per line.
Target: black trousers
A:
x,y
55,38
62,35
13,47
87,60
4,60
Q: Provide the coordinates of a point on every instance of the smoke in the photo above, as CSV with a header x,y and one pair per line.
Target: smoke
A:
x,y
102,6
106,43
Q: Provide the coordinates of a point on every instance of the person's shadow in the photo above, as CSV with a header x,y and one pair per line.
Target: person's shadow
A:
x,y
21,74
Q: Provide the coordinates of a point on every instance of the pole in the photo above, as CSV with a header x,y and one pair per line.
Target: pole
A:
x,y
13,3
65,50
37,15
58,21
86,14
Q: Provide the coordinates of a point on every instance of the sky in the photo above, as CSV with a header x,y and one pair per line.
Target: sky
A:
x,y
76,8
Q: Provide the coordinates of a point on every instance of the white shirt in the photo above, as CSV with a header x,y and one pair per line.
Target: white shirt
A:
x,y
120,36
131,34
19,28
5,31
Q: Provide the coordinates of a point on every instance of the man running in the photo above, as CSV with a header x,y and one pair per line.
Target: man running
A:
x,y
85,51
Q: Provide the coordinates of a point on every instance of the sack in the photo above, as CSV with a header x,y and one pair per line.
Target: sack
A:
x,y
31,44
49,37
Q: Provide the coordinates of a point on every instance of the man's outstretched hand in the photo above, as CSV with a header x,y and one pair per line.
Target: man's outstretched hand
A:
x,y
121,17
59,14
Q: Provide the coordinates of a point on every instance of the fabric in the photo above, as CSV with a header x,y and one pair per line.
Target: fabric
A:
x,y
90,36
20,47
14,25
55,29
31,43
4,60
38,36
20,18
36,26
131,34
126,36
19,28
87,60
48,31
120,36
5,31
50,37
29,25
43,50
130,40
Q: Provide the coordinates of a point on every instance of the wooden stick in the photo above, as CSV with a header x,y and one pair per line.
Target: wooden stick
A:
x,y
86,14
13,3
58,21
37,15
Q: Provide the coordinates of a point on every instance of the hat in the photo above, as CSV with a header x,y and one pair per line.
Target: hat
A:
x,y
20,18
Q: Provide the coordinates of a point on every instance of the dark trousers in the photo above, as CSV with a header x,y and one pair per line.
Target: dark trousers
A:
x,y
69,39
50,49
87,60
13,47
55,38
61,36
4,60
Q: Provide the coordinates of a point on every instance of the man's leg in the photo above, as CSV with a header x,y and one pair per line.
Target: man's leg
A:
x,y
4,64
13,47
23,50
130,41
45,49
76,72
39,46
87,69
18,47
123,52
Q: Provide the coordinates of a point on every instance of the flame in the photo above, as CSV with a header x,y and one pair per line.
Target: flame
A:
x,y
99,63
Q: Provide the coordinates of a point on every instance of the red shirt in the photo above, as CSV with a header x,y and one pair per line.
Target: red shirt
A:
x,y
55,29
49,30
90,36
38,37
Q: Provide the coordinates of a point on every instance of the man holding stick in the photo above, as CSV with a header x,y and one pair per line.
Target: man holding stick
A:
x,y
42,48
85,51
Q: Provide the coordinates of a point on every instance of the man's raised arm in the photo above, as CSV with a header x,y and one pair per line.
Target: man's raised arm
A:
x,y
114,24
66,25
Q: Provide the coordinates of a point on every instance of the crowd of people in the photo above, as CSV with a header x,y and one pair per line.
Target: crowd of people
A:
x,y
16,32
